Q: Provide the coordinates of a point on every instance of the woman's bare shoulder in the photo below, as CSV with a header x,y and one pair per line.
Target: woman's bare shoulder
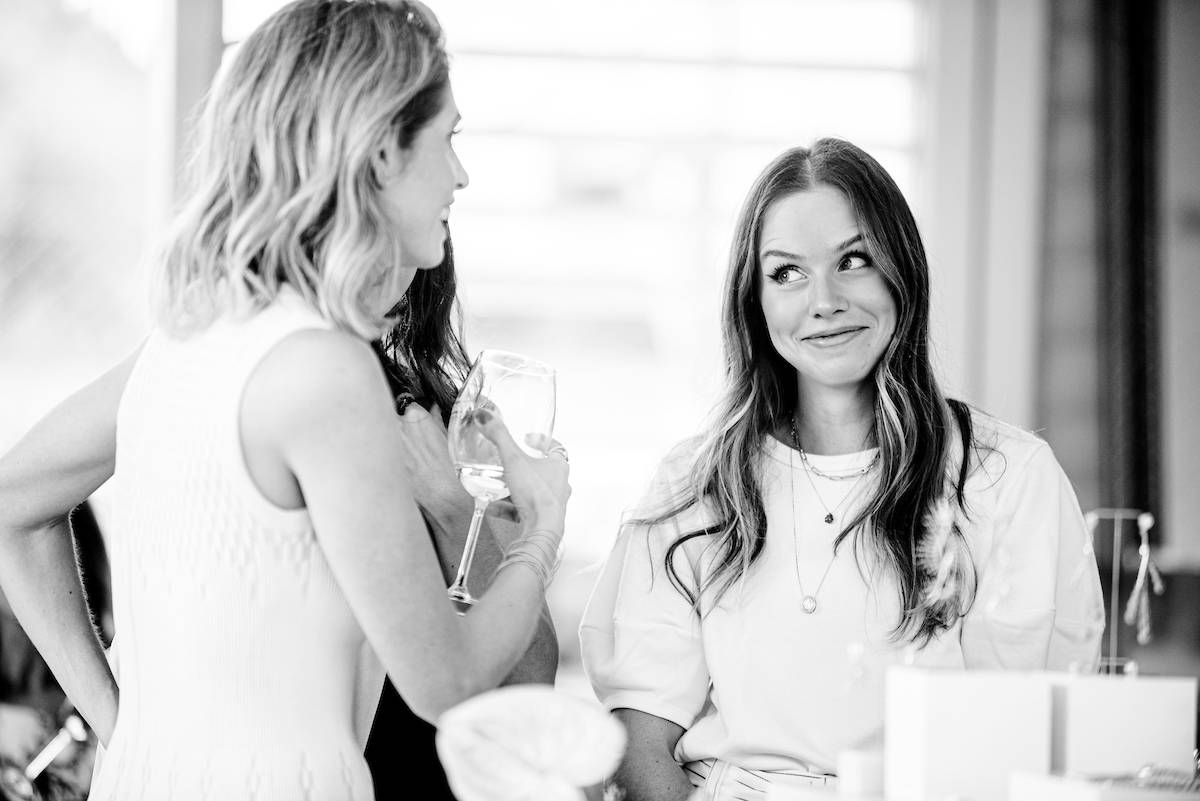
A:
x,y
323,363
311,377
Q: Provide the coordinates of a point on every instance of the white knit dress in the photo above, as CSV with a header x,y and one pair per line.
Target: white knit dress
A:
x,y
243,673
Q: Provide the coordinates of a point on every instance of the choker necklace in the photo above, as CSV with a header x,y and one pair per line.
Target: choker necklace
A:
x,y
855,474
809,470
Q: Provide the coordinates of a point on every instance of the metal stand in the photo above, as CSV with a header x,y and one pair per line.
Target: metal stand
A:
x,y
1137,609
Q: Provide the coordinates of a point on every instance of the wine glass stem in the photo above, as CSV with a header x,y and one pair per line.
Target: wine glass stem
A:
x,y
464,566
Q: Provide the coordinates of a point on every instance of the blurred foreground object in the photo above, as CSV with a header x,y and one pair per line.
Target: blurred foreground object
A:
x,y
1109,725
966,734
960,733
1149,784
527,742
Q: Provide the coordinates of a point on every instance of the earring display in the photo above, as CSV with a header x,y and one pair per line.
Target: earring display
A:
x,y
1149,579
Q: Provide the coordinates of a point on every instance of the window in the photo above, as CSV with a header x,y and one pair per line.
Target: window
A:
x,y
609,147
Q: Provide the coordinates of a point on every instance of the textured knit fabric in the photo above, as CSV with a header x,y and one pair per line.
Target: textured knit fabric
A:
x,y
756,682
243,673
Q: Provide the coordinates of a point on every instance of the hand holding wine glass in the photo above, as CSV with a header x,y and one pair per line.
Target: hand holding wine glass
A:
x,y
538,486
500,427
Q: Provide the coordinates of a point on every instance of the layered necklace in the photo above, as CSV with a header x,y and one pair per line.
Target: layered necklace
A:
x,y
809,602
810,471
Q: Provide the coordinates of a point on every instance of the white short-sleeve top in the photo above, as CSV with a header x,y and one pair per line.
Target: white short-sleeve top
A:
x,y
755,681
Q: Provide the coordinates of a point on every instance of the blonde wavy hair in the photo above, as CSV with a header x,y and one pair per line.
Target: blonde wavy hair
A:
x,y
283,188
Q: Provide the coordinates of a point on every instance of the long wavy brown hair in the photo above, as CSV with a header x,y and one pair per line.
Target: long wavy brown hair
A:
x,y
924,438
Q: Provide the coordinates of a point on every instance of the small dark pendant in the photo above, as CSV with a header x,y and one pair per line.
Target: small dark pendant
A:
x,y
829,517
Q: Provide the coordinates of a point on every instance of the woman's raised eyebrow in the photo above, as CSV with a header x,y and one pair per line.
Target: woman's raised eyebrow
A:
x,y
783,254
854,240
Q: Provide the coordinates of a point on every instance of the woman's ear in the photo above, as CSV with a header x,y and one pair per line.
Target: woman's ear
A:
x,y
387,162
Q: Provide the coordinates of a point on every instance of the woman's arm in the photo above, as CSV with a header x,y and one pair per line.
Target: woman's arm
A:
x,y
648,771
53,469
539,663
447,508
320,400
642,648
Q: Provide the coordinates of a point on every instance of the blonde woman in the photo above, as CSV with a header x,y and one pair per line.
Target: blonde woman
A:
x,y
267,540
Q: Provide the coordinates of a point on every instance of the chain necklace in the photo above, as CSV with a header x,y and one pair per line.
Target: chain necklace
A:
x,y
809,470
809,602
855,474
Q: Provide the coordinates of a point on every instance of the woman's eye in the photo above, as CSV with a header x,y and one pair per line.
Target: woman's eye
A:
x,y
854,261
785,274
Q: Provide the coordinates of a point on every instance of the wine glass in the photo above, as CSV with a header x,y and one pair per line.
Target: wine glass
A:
x,y
519,391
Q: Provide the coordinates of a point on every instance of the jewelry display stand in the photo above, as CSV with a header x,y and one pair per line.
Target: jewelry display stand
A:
x,y
1137,607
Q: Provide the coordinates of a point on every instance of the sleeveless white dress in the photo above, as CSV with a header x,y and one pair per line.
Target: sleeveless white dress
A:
x,y
243,673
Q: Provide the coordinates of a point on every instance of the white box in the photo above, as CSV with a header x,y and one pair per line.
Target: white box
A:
x,y
1032,787
958,733
1109,725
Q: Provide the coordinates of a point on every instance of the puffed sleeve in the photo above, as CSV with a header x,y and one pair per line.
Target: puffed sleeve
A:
x,y
640,638
1039,604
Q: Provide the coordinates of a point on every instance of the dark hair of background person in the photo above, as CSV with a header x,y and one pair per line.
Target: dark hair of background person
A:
x,y
422,355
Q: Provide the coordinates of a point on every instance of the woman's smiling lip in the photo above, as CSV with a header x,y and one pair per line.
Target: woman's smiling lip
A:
x,y
833,332
834,336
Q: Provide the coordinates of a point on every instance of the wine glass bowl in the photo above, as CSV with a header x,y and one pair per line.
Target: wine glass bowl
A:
x,y
475,457
517,390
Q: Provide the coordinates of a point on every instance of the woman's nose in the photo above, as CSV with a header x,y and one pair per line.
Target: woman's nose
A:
x,y
827,297
461,179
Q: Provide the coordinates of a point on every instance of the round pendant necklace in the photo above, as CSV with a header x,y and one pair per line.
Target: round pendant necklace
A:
x,y
808,602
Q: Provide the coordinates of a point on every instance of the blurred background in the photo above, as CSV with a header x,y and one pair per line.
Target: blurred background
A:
x,y
1048,148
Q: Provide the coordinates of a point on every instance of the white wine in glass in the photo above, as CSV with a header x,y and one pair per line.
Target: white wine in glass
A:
x,y
520,392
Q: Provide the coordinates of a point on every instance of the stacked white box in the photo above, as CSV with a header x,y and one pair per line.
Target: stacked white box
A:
x,y
956,733
1110,725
